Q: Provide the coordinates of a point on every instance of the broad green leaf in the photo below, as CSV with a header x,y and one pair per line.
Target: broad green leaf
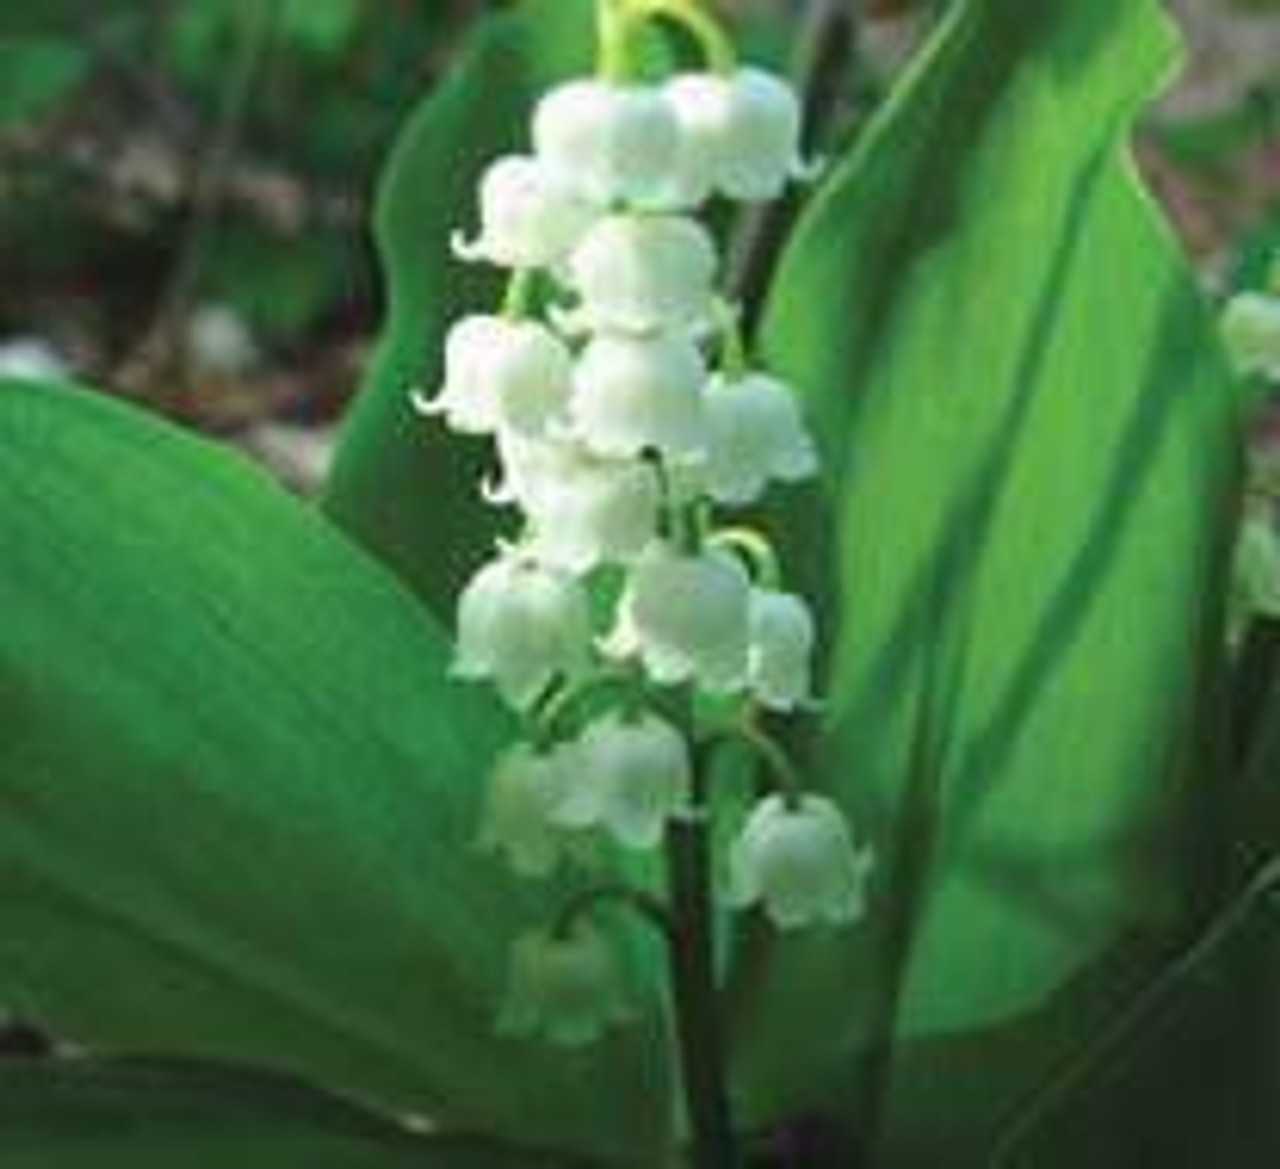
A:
x,y
37,74
1033,453
240,794
105,1114
407,489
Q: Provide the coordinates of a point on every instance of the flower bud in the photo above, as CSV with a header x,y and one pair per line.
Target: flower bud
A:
x,y
686,616
564,988
1251,330
503,375
524,795
740,135
755,434
530,217
635,393
799,863
632,774
613,142
780,659
521,625
584,511
640,273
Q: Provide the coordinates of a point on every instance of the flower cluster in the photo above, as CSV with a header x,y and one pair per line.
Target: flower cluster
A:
x,y
1251,331
626,416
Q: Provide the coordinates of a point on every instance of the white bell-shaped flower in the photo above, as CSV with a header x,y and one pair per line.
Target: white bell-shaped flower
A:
x,y
799,863
755,435
503,375
780,659
740,134
1251,330
633,393
521,625
613,142
564,987
1257,564
632,775
686,616
583,510
641,273
522,807
530,216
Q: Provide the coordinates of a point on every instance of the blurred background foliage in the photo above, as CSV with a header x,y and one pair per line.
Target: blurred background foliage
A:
x,y
184,188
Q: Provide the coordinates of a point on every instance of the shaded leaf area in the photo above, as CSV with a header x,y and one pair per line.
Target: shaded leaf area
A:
x,y
1033,457
1187,1075
405,488
240,795
104,1114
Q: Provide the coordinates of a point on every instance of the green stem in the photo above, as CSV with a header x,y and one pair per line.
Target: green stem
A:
x,y
698,1018
713,41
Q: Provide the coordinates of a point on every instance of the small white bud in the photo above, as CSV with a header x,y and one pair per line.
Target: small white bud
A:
x,y
503,375
613,142
530,217
525,792
1251,330
781,653
564,988
740,135
521,624
634,393
755,435
632,775
584,511
686,616
641,273
799,863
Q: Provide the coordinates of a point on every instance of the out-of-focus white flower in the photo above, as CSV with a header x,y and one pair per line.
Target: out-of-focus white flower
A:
x,y
613,142
755,434
33,359
1251,330
780,661
641,273
740,134
631,775
686,616
523,799
636,393
530,216
565,988
503,375
583,510
1257,565
219,341
521,625
799,863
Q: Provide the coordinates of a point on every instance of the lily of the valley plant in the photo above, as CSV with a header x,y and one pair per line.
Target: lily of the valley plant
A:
x,y
806,718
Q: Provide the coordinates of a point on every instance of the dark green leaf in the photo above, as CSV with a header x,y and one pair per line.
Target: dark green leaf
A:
x,y
239,794
1033,453
38,74
100,1114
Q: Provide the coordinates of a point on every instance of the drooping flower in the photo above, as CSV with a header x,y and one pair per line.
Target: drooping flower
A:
x,y
521,815
686,616
755,435
1251,331
632,775
799,863
740,134
780,660
642,273
614,143
583,511
638,393
521,625
564,987
530,216
503,375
